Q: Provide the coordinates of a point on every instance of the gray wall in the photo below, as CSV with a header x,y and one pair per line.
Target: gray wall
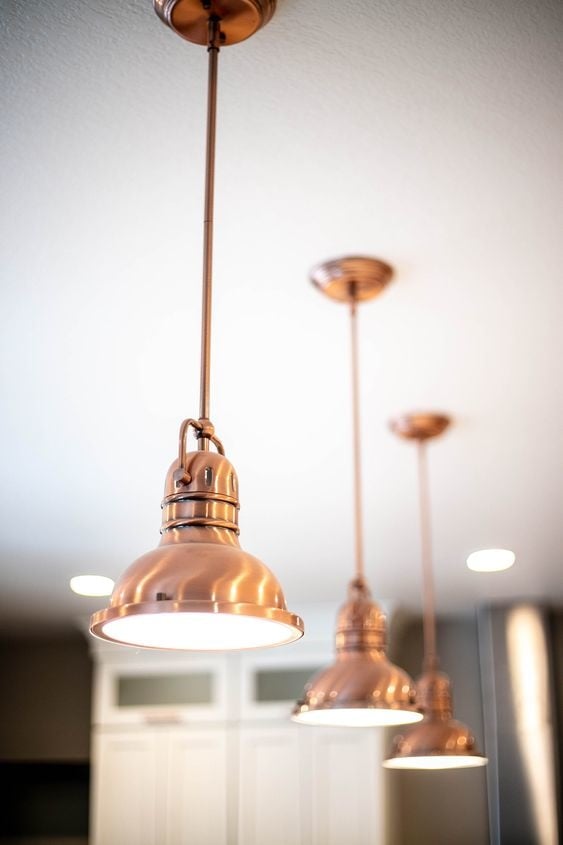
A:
x,y
441,808
45,699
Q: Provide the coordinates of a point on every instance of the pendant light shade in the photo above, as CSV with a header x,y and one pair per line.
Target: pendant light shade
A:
x,y
361,688
439,741
199,590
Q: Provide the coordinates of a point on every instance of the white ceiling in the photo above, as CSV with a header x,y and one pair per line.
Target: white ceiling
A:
x,y
426,132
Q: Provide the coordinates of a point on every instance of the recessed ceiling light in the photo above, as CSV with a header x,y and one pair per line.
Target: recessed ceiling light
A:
x,y
491,560
91,585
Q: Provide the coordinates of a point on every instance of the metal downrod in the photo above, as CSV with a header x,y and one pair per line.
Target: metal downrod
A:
x,y
214,29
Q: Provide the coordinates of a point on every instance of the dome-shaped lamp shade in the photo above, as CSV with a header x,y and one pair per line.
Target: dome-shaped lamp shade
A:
x,y
361,688
198,590
439,741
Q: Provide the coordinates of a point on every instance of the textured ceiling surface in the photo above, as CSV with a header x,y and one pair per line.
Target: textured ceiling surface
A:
x,y
426,132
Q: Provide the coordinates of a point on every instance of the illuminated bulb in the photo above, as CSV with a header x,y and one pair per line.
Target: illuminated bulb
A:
x,y
442,761
491,560
91,585
204,631
358,717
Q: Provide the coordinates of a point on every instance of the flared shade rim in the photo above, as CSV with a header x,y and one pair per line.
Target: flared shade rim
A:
x,y
430,762
197,626
356,716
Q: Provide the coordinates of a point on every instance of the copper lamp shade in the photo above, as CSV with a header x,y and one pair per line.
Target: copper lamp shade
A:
x,y
361,688
198,589
439,741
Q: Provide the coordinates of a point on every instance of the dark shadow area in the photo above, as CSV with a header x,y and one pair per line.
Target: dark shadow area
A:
x,y
44,800
45,740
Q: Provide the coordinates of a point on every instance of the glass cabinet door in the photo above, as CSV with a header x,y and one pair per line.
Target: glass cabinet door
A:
x,y
144,690
271,683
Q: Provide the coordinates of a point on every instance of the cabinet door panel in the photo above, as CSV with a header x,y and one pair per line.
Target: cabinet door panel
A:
x,y
197,788
271,797
125,784
346,783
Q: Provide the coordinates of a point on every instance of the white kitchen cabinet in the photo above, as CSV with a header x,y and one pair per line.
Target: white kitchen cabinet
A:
x,y
280,784
160,786
197,795
347,786
127,769
146,688
199,750
273,803
301,785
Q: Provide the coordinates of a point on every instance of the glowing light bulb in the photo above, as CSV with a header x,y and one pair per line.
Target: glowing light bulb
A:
x,y
440,761
198,631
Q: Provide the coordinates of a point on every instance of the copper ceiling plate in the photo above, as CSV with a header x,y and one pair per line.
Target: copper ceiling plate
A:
x,y
239,18
353,278
421,425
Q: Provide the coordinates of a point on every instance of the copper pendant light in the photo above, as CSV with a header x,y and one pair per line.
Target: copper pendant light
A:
x,y
439,741
361,688
198,590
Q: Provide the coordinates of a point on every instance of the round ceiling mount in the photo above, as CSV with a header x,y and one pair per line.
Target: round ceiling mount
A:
x,y
421,425
354,278
239,18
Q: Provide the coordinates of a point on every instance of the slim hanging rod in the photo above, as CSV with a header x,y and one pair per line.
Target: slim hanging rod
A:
x,y
428,592
354,279
422,426
213,46
358,501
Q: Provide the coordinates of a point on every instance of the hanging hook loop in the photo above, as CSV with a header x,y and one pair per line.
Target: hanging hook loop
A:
x,y
203,429
206,430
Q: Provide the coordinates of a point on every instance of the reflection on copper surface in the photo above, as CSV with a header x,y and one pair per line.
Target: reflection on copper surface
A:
x,y
529,678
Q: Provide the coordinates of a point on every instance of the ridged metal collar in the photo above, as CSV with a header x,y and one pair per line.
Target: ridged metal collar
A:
x,y
361,622
207,497
434,694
